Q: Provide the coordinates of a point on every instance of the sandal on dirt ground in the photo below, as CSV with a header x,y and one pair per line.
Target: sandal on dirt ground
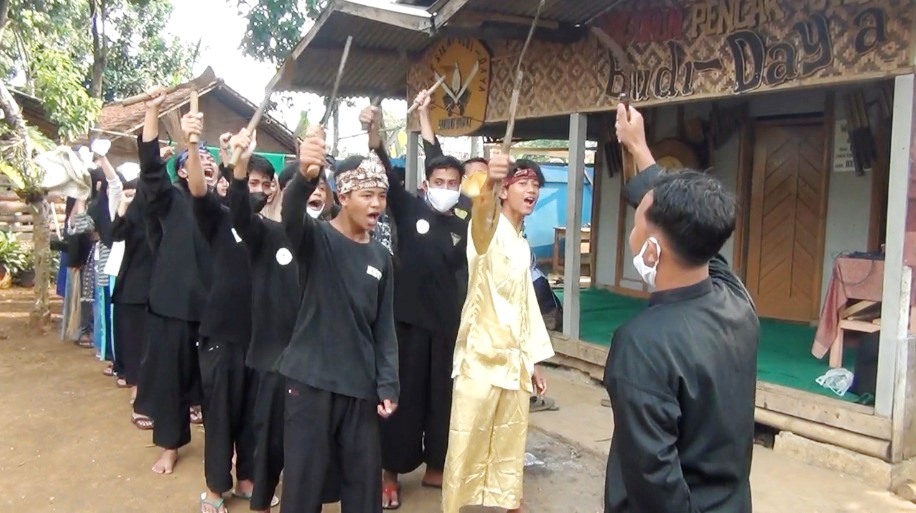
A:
x,y
84,342
197,417
392,494
543,404
108,371
122,383
211,506
274,502
142,423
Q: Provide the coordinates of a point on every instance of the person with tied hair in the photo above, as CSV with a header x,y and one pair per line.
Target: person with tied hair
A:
x,y
681,376
501,338
341,364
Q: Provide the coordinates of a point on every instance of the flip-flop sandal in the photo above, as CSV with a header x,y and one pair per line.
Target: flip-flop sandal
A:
x,y
274,502
388,491
108,371
218,506
543,404
197,417
122,383
142,423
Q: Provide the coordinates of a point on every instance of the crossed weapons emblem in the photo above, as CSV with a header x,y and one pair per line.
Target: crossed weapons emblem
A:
x,y
457,94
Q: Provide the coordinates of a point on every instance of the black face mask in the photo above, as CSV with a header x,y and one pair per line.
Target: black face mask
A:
x,y
257,200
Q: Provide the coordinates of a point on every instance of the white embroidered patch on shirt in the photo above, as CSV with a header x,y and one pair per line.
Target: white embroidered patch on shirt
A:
x,y
375,273
284,257
235,234
422,226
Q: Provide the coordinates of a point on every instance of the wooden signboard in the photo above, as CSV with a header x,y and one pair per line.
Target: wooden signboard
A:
x,y
659,51
459,106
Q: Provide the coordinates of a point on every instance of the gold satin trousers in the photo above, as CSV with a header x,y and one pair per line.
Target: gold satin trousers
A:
x,y
486,446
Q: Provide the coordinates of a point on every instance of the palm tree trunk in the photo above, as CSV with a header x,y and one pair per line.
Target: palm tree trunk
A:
x,y
40,316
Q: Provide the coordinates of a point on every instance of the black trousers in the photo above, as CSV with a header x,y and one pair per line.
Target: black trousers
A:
x,y
229,389
418,431
331,452
268,428
129,330
169,379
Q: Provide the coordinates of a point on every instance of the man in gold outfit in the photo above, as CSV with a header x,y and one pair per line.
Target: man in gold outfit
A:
x,y
502,336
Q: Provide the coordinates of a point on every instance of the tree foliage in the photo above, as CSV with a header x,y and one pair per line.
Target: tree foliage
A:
x,y
275,26
48,48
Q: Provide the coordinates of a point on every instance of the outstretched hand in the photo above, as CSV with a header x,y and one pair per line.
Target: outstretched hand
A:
x,y
370,117
192,123
156,97
423,100
631,133
499,167
313,153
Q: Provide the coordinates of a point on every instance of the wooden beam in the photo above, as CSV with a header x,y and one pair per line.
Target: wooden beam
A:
x,y
851,417
411,173
575,184
895,306
443,13
473,18
395,15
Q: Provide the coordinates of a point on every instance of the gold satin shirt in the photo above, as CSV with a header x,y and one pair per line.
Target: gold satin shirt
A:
x,y
502,334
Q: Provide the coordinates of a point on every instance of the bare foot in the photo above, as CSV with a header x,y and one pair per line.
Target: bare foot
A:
x,y
166,462
433,478
391,491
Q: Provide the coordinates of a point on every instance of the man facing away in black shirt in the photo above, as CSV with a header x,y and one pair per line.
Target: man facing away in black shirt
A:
x,y
431,255
342,361
682,375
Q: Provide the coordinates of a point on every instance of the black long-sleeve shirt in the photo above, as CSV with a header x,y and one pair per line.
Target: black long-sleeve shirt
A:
x,y
132,285
432,256
227,314
275,291
681,377
181,269
344,340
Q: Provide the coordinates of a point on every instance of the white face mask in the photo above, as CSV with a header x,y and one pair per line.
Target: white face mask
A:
x,y
442,199
647,273
315,212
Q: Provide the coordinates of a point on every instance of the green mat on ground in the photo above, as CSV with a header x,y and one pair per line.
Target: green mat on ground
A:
x,y
783,358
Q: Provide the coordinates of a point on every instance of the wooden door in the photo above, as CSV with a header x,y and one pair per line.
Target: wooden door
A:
x,y
787,219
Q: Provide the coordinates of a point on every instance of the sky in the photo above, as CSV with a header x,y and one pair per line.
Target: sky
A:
x,y
221,35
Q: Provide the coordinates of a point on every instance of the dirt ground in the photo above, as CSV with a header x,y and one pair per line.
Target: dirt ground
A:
x,y
67,444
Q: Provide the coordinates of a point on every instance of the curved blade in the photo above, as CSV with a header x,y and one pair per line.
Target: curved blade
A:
x,y
332,99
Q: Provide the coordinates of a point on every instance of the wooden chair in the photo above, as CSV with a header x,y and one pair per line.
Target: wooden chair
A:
x,y
585,249
861,316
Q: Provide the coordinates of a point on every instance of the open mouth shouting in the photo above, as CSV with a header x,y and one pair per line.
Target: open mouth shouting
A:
x,y
530,200
373,219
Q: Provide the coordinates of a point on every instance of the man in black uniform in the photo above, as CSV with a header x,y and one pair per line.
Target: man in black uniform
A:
x,y
275,301
682,375
431,254
180,276
229,386
342,360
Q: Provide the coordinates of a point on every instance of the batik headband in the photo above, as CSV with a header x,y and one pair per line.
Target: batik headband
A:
x,y
523,173
369,175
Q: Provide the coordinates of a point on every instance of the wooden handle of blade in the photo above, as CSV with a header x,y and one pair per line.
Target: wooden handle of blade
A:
x,y
252,125
627,160
142,97
376,101
194,139
312,171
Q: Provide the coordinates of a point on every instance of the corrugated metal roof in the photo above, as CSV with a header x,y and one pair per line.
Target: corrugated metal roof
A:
x,y
388,38
563,11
